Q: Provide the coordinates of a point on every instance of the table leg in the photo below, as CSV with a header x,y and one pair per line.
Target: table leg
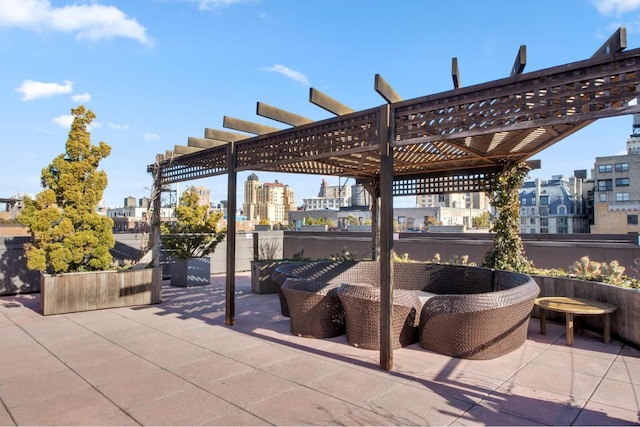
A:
x,y
606,336
543,321
569,329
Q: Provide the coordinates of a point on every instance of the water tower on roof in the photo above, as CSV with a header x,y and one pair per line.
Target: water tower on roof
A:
x,y
633,143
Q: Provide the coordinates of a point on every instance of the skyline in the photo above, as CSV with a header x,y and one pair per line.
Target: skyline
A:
x,y
158,71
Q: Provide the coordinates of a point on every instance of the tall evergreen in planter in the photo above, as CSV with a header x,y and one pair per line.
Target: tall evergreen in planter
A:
x,y
191,239
68,235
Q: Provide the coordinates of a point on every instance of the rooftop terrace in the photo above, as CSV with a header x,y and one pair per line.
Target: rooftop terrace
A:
x,y
176,363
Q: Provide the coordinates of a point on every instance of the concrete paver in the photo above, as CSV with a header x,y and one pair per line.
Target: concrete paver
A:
x,y
177,363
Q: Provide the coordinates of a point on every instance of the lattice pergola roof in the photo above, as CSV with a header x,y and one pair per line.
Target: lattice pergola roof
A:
x,y
454,141
450,141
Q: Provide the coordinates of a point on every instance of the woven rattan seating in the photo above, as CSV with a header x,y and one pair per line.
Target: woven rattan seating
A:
x,y
473,312
361,304
315,310
484,313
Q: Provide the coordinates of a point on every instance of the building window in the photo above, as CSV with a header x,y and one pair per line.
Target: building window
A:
x,y
604,168
622,182
544,211
544,200
533,211
603,197
523,220
532,221
622,197
562,210
605,185
544,230
632,219
622,167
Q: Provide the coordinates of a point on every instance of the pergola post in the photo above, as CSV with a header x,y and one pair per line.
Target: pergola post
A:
x,y
386,240
230,293
155,220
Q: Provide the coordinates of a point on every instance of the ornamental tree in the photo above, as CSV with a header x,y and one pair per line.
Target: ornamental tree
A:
x,y
195,233
507,251
67,232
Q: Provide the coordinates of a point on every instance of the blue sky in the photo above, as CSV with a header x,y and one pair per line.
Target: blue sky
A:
x,y
158,71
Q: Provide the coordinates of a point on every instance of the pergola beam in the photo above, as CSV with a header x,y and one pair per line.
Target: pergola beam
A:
x,y
183,149
279,115
455,73
223,135
331,105
520,62
247,126
614,44
192,141
385,90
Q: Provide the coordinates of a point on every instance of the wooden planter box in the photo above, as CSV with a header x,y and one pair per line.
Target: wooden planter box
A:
x,y
625,321
73,292
190,272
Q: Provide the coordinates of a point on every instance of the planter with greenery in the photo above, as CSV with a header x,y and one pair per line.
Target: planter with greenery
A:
x,y
69,236
191,239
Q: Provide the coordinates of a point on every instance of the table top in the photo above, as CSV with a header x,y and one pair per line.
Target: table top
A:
x,y
575,305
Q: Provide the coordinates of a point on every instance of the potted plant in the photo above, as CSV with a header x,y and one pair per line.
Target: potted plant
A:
x,y
70,242
191,239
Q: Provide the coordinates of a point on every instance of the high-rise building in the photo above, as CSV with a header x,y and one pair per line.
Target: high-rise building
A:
x,y
271,201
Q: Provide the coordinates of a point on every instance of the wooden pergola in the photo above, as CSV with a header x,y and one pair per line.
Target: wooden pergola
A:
x,y
454,141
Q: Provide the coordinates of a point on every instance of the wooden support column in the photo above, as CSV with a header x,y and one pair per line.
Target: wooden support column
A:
x,y
230,294
155,220
386,240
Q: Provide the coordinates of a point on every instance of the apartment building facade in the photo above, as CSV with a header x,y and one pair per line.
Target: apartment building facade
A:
x,y
555,206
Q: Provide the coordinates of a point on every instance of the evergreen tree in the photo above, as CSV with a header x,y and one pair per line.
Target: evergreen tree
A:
x,y
195,233
67,232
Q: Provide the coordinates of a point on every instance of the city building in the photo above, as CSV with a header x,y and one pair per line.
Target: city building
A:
x,y
452,209
270,201
617,188
555,206
337,197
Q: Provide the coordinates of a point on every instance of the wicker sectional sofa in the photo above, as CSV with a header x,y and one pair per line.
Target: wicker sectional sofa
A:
x,y
466,312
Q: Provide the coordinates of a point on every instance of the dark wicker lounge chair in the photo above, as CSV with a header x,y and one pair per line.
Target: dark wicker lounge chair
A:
x,y
314,307
478,314
361,304
472,312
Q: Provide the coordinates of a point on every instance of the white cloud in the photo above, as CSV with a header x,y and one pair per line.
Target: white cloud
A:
x,y
217,4
87,21
289,73
117,126
81,97
607,7
150,136
31,90
64,121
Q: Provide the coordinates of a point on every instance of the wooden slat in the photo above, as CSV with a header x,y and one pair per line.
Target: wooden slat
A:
x,y
192,141
183,149
279,115
223,135
246,126
331,105
455,73
385,90
520,62
614,44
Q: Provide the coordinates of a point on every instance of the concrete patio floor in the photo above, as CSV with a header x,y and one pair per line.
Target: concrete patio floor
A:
x,y
176,363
